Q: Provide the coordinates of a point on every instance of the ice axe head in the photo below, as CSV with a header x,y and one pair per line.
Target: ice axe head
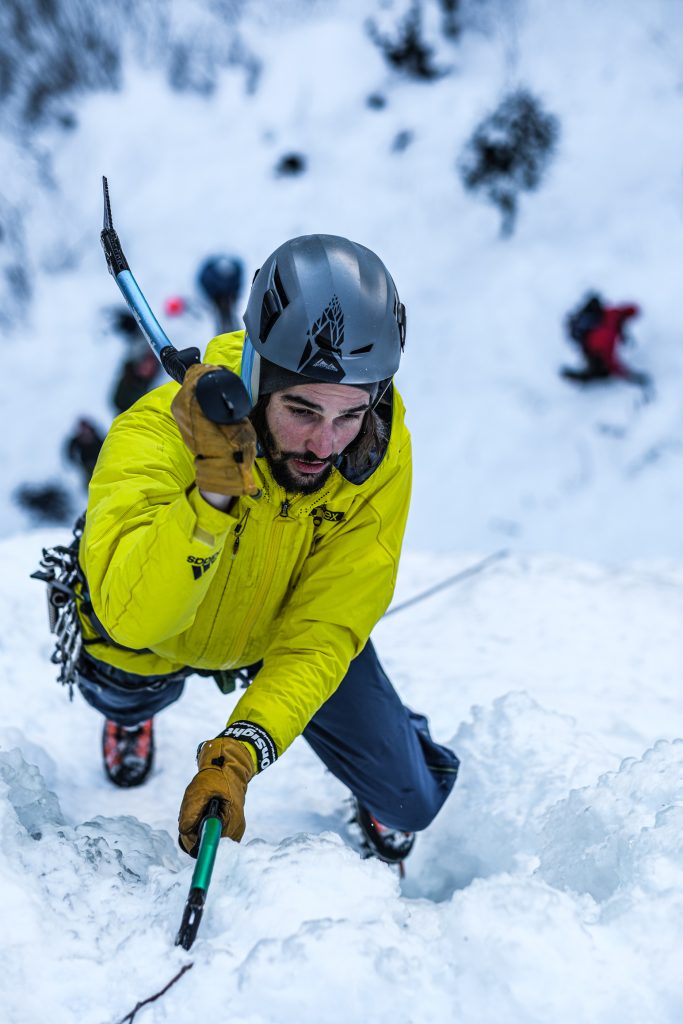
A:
x,y
223,397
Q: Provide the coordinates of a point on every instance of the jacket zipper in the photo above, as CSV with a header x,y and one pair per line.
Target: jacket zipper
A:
x,y
239,530
267,572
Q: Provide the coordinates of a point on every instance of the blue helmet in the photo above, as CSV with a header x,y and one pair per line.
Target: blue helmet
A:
x,y
220,277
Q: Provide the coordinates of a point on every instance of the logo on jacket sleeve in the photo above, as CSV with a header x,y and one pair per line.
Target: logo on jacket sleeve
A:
x,y
201,565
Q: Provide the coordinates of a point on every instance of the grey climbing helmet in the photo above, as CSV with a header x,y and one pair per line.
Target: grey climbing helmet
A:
x,y
324,309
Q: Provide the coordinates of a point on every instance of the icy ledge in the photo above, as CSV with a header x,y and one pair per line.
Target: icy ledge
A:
x,y
546,882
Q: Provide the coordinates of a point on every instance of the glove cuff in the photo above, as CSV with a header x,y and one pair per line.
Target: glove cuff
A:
x,y
257,738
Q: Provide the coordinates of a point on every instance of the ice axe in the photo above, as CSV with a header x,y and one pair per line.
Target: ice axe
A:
x,y
221,394
209,835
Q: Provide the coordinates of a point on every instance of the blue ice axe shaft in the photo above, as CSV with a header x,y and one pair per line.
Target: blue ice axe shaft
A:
x,y
174,362
221,394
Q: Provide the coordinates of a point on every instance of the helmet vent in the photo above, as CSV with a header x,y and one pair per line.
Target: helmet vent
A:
x,y
360,351
270,311
401,320
280,289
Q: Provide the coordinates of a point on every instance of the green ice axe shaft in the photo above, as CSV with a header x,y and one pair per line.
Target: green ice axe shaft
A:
x,y
209,835
221,394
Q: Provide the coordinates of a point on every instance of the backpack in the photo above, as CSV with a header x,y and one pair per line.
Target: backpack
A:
x,y
584,319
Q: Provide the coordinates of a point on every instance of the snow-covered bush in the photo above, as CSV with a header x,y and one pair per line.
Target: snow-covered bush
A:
x,y
53,52
407,48
49,50
14,281
509,153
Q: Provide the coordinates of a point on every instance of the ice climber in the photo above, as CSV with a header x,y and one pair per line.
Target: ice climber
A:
x,y
599,330
82,447
274,565
136,377
220,280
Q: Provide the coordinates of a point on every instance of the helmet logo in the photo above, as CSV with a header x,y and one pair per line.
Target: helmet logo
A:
x,y
320,364
328,331
324,343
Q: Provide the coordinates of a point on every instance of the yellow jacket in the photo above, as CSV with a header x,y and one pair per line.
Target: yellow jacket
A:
x,y
298,581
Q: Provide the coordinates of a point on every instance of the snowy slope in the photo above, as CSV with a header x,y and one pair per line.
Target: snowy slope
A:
x,y
505,451
549,888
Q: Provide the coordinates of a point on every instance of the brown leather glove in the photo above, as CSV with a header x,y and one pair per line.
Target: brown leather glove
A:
x,y
224,453
225,769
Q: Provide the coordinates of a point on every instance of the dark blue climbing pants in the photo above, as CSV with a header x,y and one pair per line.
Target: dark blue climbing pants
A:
x,y
380,749
124,697
363,734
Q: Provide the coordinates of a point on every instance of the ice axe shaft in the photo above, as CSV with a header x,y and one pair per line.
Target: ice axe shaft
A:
x,y
210,834
222,396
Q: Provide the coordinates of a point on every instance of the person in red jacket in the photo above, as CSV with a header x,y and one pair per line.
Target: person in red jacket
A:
x,y
599,330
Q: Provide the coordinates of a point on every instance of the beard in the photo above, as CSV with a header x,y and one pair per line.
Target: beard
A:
x,y
285,474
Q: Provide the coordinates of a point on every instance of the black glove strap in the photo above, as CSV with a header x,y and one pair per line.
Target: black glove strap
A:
x,y
257,737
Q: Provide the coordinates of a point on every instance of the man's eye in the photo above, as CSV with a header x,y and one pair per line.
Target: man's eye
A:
x,y
300,412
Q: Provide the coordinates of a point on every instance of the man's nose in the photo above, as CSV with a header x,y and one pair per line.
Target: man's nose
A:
x,y
321,440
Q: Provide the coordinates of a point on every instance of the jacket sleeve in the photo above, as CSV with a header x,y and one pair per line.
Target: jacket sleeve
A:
x,y
345,587
145,520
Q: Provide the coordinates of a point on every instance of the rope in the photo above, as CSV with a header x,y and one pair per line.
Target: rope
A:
x,y
497,556
128,1019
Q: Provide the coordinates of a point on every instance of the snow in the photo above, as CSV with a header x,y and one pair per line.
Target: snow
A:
x,y
550,886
